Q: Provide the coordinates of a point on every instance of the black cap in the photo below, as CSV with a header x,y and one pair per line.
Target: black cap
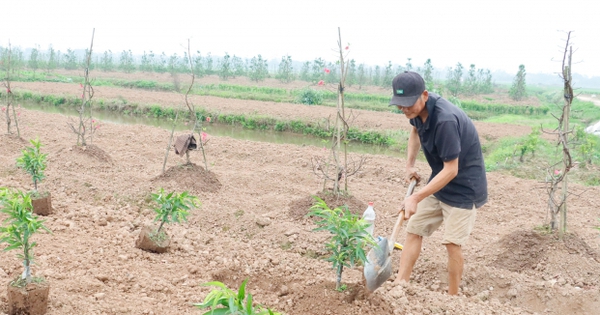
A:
x,y
408,87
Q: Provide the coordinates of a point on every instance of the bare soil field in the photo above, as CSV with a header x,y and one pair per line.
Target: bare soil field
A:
x,y
250,226
500,97
368,120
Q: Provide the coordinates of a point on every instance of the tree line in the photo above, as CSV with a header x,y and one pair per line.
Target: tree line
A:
x,y
458,81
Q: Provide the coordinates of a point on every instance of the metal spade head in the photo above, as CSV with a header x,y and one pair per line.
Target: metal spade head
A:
x,y
378,267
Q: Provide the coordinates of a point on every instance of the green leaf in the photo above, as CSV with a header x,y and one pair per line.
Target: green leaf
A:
x,y
249,308
242,290
219,311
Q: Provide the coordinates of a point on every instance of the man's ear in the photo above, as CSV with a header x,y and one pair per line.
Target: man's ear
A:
x,y
426,95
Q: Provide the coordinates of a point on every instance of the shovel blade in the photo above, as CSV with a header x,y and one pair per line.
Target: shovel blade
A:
x,y
378,267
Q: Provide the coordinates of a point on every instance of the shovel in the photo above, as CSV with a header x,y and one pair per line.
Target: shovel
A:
x,y
378,267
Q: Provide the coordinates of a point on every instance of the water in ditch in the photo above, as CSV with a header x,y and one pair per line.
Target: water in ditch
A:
x,y
219,130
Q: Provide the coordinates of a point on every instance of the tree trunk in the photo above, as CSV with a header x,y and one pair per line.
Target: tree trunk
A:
x,y
338,282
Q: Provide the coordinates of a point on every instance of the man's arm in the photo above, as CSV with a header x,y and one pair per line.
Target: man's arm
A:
x,y
440,180
414,144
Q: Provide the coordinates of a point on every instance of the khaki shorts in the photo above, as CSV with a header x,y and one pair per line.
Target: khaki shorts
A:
x,y
458,222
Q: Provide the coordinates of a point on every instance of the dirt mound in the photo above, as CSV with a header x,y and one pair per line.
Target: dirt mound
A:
x,y
298,208
191,177
94,151
11,143
575,245
524,250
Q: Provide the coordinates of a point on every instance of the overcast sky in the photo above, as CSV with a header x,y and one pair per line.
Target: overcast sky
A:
x,y
492,34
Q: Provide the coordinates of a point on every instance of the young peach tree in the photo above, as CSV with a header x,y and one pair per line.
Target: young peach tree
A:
x,y
349,236
18,228
172,207
33,161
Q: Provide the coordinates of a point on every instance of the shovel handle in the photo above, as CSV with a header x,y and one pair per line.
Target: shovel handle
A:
x,y
400,220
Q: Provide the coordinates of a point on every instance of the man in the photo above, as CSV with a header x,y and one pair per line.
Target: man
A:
x,y
457,186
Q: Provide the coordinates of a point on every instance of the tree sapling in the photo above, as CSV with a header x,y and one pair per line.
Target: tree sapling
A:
x,y
349,236
173,207
225,301
18,228
33,161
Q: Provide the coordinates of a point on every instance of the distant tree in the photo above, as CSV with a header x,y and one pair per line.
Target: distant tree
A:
x,y
259,69
51,63
209,64
239,68
361,77
305,72
173,63
17,60
388,76
333,76
285,72
471,86
518,89
59,58
486,85
454,84
399,69
409,65
82,64
146,62
199,69
160,63
428,75
34,60
70,60
184,63
106,63
126,61
225,67
317,70
377,76
351,76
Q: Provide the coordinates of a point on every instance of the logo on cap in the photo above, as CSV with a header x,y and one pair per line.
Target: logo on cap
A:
x,y
399,91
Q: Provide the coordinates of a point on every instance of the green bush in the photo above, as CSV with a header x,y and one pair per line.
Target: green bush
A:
x,y
309,96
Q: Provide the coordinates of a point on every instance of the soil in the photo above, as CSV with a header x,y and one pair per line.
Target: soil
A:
x,y
251,225
31,299
42,205
146,242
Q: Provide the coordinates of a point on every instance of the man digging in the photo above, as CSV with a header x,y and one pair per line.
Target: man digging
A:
x,y
457,186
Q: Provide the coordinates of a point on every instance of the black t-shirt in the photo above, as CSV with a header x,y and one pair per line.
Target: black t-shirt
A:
x,y
447,134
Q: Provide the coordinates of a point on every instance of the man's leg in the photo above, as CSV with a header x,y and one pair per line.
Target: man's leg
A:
x,y
410,253
426,220
455,267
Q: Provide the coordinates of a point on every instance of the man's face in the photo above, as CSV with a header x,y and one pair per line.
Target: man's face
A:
x,y
415,110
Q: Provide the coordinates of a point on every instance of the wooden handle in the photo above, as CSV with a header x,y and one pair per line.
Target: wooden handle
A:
x,y
396,230
400,220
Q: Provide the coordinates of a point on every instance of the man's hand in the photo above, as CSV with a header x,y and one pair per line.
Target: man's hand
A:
x,y
409,205
411,173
